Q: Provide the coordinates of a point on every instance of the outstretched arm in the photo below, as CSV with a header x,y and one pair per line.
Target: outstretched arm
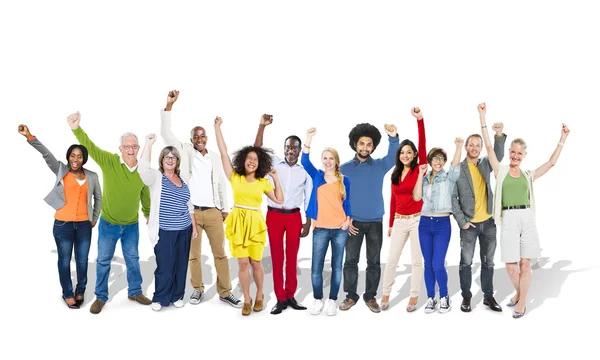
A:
x,y
146,173
305,160
51,161
550,163
265,120
166,132
486,139
458,152
422,146
390,158
225,159
101,157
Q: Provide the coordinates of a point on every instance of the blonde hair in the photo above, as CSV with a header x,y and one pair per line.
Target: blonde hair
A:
x,y
338,174
519,141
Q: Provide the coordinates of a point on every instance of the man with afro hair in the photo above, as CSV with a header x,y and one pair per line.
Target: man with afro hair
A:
x,y
366,175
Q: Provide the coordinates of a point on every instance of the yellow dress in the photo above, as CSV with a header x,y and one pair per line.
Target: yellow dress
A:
x,y
246,229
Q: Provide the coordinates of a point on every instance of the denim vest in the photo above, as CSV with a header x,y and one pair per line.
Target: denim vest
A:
x,y
437,195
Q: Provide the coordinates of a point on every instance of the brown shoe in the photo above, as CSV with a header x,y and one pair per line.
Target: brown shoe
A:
x,y
247,308
258,305
97,306
347,304
373,305
141,299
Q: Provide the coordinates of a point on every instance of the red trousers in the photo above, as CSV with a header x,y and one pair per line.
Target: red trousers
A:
x,y
279,224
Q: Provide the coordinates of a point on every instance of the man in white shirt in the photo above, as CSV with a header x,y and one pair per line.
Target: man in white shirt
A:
x,y
286,219
203,172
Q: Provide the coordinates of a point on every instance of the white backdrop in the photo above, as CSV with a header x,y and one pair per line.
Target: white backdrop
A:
x,y
329,65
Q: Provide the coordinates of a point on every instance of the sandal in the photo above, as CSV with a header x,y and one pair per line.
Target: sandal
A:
x,y
411,307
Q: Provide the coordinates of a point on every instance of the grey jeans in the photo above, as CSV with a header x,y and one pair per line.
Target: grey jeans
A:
x,y
486,231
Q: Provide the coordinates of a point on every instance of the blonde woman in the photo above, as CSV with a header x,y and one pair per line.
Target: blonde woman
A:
x,y
329,206
514,210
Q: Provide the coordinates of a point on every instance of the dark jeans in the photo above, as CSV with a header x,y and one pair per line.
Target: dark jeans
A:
x,y
69,235
373,232
486,231
172,253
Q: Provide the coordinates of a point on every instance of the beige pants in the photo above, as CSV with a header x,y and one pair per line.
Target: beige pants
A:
x,y
211,221
401,231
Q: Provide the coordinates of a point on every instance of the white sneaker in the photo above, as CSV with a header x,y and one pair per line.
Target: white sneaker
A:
x,y
178,303
445,304
331,308
317,307
430,305
156,306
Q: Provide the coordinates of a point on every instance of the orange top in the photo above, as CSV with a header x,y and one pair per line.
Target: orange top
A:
x,y
330,213
75,208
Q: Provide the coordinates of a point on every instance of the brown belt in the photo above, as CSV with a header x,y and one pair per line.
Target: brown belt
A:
x,y
398,216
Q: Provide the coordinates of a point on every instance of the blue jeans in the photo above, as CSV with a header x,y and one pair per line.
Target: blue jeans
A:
x,y
486,232
69,234
321,239
108,235
434,237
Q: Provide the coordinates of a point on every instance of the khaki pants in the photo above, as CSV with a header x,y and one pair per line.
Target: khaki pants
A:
x,y
401,231
211,221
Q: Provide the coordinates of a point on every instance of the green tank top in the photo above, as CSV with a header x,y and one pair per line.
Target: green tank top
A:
x,y
515,191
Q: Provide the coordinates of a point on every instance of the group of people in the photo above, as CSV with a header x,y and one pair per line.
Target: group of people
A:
x,y
343,203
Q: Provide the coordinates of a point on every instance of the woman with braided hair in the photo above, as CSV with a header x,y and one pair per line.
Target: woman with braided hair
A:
x,y
329,206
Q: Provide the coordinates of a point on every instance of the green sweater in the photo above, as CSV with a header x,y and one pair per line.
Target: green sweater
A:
x,y
122,189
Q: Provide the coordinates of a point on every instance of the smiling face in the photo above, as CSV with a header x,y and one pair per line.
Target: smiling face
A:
x,y
328,160
169,162
517,154
407,154
199,138
364,147
251,163
129,148
75,159
473,147
291,150
437,162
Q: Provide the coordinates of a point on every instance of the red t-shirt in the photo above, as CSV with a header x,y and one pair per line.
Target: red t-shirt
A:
x,y
402,201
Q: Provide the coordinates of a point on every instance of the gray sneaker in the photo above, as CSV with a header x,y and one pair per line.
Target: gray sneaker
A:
x,y
232,300
196,297
430,305
445,304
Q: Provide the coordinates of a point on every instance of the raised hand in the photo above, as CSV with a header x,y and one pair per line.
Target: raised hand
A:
x,y
150,139
564,132
311,132
218,121
416,112
423,169
481,108
459,141
172,97
391,130
273,173
73,120
498,127
24,130
266,119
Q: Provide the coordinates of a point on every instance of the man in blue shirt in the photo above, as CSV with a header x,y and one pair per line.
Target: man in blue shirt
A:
x,y
366,175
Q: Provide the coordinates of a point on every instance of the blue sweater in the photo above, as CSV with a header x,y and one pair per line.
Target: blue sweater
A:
x,y
318,178
367,180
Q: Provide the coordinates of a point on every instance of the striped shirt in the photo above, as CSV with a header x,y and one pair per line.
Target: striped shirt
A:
x,y
174,213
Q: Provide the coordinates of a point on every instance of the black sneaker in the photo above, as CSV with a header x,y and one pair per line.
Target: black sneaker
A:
x,y
232,300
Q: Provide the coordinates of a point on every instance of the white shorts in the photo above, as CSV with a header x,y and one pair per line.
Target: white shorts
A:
x,y
519,236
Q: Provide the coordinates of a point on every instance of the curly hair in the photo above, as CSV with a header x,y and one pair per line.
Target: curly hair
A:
x,y
264,160
364,129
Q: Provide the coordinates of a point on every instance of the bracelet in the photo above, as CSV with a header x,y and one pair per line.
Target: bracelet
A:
x,y
483,126
306,145
561,143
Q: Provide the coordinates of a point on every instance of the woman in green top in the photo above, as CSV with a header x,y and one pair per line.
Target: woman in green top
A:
x,y
514,211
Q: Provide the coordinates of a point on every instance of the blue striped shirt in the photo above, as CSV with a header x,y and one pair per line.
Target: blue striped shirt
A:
x,y
174,213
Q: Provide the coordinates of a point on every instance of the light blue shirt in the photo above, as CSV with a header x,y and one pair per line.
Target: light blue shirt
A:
x,y
296,184
437,194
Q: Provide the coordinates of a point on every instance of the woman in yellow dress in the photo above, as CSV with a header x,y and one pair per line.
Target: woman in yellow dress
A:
x,y
246,228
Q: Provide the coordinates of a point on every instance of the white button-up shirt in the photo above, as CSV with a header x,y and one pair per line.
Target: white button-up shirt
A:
x,y
296,183
201,189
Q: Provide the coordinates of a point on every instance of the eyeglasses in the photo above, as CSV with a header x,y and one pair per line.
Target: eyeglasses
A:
x,y
170,158
130,147
289,147
438,158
